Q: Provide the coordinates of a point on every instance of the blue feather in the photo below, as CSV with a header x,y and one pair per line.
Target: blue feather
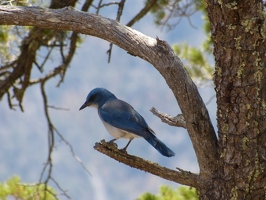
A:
x,y
160,146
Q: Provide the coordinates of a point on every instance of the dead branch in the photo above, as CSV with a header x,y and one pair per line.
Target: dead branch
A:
x,y
178,120
182,177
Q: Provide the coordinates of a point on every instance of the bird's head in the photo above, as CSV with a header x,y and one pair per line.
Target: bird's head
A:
x,y
96,97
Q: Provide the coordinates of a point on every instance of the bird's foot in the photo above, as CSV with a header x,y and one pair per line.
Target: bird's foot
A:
x,y
124,150
111,142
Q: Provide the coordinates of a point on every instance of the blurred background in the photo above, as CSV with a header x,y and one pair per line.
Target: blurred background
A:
x,y
24,140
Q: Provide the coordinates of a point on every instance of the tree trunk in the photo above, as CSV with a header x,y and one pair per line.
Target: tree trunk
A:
x,y
238,33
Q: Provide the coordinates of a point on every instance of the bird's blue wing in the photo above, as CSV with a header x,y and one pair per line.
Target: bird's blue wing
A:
x,y
123,116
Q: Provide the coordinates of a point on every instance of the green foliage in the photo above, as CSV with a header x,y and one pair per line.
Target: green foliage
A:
x,y
14,189
15,2
207,44
149,196
6,41
10,39
196,61
159,11
168,193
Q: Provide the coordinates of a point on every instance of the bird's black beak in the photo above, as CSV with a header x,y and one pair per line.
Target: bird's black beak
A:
x,y
83,106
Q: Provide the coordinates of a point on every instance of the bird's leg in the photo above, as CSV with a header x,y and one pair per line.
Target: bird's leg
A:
x,y
125,148
112,142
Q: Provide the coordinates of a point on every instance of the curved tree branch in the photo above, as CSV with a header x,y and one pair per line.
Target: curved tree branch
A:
x,y
155,51
181,176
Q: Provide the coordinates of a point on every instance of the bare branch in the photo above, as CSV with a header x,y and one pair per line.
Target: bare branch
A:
x,y
142,12
175,11
86,5
183,177
99,6
51,133
9,101
73,152
118,16
178,120
58,108
67,59
64,193
120,10
51,144
48,163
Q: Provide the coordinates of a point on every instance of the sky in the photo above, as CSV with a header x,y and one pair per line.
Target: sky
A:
x,y
23,149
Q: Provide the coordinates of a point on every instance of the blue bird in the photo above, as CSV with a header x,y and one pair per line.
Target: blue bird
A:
x,y
122,121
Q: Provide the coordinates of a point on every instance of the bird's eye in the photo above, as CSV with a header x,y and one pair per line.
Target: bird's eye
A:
x,y
92,98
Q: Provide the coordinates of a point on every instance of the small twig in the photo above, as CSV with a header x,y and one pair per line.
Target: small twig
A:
x,y
45,59
142,13
183,171
86,5
50,192
177,9
108,4
61,50
118,16
51,144
61,189
178,120
39,67
67,59
36,194
73,152
58,108
98,7
109,52
120,10
9,101
50,124
48,163
8,65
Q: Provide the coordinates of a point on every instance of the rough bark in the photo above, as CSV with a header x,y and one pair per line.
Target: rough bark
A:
x,y
238,34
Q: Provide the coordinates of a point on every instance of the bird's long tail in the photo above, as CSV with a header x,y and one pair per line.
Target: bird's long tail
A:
x,y
159,146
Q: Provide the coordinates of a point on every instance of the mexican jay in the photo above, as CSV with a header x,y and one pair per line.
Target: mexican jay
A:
x,y
122,121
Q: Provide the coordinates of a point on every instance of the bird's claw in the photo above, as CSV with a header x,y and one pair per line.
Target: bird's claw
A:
x,y
111,142
124,150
